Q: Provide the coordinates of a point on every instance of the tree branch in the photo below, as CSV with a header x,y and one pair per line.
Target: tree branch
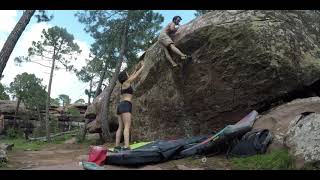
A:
x,y
40,64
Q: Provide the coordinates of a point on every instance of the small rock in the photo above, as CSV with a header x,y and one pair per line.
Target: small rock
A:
x,y
183,167
82,158
3,156
151,167
93,136
197,169
71,141
7,147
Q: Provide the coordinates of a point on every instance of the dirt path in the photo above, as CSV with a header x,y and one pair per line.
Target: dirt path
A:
x,y
68,156
55,156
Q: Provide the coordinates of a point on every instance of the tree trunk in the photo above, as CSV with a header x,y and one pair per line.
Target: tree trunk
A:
x,y
13,38
16,113
98,91
39,114
48,100
90,92
84,131
106,98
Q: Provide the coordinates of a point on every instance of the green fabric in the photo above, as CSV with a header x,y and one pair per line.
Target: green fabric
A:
x,y
91,166
135,145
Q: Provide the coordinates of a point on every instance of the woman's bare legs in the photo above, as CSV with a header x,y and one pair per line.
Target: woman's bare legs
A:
x,y
126,118
119,131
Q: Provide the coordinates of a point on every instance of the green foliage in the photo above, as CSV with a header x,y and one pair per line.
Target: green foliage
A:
x,y
79,135
3,94
88,93
88,73
61,139
54,124
39,131
73,111
42,16
55,44
80,101
93,69
104,27
65,99
22,144
55,102
29,89
3,164
14,133
58,46
56,41
276,160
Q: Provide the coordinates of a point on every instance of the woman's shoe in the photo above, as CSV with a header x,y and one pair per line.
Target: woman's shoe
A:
x,y
125,148
117,149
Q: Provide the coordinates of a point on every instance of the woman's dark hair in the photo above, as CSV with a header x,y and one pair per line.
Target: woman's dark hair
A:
x,y
122,77
176,17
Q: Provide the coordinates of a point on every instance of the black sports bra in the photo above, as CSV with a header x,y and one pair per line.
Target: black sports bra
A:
x,y
129,90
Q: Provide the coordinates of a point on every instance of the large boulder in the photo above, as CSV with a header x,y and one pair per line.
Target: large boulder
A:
x,y
295,126
278,119
243,60
8,108
303,138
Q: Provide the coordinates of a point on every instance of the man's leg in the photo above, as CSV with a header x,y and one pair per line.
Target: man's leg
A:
x,y
168,56
177,51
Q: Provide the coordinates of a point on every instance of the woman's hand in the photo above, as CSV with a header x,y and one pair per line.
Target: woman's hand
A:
x,y
140,65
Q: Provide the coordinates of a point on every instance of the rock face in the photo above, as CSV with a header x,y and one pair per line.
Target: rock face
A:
x,y
3,156
303,138
3,151
8,109
24,119
278,119
243,60
295,126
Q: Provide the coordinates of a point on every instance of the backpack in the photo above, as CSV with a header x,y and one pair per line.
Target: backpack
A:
x,y
97,154
252,143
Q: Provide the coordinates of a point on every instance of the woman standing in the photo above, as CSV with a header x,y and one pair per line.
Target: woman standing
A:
x,y
125,106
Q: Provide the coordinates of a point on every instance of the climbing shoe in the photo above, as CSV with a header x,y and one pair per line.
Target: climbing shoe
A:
x,y
117,149
125,149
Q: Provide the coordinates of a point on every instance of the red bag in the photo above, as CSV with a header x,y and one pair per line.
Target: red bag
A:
x,y
97,154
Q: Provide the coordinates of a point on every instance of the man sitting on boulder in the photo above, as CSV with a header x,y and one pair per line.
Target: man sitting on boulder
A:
x,y
165,39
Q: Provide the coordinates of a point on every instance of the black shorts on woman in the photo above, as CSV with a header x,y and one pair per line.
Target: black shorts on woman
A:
x,y
124,106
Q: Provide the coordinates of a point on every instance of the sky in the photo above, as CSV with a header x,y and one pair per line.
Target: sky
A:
x,y
63,82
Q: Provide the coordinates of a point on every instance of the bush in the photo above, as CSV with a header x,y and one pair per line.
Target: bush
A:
x,y
54,128
39,132
79,135
14,133
3,164
73,111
